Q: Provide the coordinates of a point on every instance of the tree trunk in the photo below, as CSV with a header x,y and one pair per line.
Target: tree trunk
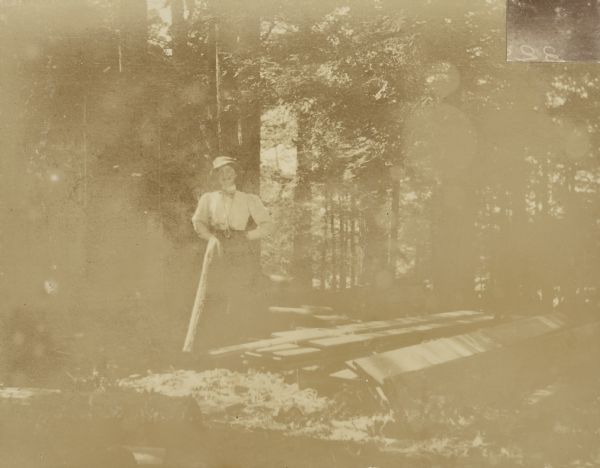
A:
x,y
375,249
226,89
178,29
394,217
238,104
343,242
302,256
323,266
133,27
544,281
334,257
352,239
250,109
211,133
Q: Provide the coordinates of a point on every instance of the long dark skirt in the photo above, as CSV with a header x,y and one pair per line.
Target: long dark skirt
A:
x,y
233,294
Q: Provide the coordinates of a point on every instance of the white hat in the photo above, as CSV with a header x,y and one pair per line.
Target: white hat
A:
x,y
221,161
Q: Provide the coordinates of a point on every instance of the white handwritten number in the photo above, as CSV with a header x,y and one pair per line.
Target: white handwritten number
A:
x,y
528,52
550,54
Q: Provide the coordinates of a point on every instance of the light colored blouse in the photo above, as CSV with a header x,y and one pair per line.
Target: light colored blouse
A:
x,y
222,211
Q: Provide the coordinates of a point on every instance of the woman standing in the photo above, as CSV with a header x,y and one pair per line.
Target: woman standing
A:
x,y
232,221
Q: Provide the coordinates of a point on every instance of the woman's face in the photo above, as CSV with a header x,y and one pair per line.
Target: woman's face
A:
x,y
226,177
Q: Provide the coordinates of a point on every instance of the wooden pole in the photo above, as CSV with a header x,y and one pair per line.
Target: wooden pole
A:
x,y
200,299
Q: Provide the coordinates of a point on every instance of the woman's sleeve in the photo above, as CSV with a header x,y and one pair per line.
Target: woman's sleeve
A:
x,y
261,217
201,219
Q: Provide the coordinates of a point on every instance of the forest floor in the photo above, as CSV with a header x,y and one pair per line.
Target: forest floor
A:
x,y
222,418
218,417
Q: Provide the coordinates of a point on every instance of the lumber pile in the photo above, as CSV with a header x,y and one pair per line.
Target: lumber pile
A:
x,y
336,344
466,356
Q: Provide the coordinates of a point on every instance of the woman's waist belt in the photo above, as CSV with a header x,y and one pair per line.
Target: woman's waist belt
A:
x,y
230,233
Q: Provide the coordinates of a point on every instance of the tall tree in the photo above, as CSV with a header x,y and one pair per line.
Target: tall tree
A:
x,y
133,34
250,105
302,246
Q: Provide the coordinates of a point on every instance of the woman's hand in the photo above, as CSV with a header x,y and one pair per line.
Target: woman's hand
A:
x,y
214,240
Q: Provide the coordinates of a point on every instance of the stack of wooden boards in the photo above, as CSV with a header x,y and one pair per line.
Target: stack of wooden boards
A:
x,y
324,346
494,364
468,354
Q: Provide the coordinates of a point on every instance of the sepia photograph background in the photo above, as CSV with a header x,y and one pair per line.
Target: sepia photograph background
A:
x,y
409,169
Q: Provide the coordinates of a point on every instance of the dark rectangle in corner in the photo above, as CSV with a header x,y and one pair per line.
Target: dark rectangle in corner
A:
x,y
553,30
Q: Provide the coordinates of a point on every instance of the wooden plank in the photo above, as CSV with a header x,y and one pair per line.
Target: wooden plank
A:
x,y
239,348
395,332
424,329
344,374
333,318
381,324
302,310
317,309
280,347
148,455
313,333
333,341
541,394
296,352
26,393
346,329
316,332
289,310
